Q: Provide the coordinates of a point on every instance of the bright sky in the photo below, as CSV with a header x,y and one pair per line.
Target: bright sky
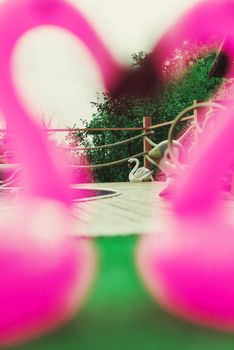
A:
x,y
56,73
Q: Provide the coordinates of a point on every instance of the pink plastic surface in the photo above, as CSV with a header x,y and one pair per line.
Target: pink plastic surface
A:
x,y
44,272
189,269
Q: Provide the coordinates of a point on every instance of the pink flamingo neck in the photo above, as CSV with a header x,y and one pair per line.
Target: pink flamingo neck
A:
x,y
197,190
16,18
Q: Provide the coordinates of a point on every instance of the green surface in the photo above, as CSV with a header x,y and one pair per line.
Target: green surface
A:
x,y
119,313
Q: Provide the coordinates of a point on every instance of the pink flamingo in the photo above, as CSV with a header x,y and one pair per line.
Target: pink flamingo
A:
x,y
190,269
44,273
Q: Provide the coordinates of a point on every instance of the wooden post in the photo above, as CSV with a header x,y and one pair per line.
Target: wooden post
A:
x,y
147,123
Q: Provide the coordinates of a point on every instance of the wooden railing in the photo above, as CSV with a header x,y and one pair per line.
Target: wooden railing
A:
x,y
146,135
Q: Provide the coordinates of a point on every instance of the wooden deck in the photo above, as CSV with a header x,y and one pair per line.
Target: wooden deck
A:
x,y
128,213
137,209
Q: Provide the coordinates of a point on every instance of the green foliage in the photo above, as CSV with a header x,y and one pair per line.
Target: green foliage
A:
x,y
168,101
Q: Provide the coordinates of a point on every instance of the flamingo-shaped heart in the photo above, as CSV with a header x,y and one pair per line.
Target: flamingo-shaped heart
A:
x,y
44,273
190,269
41,267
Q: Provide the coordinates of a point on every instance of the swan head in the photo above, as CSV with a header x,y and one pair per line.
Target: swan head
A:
x,y
132,162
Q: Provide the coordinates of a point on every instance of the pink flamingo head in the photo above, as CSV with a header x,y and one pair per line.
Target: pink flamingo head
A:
x,y
205,19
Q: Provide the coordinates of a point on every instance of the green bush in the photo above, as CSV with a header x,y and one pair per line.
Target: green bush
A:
x,y
168,101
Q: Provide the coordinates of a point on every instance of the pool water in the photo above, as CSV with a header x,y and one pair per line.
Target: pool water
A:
x,y
77,194
87,194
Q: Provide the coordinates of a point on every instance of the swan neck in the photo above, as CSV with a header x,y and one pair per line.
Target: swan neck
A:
x,y
136,166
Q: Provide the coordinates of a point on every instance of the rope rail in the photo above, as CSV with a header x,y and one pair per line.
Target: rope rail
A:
x,y
110,145
147,131
151,160
179,118
17,166
86,129
150,141
96,166
157,126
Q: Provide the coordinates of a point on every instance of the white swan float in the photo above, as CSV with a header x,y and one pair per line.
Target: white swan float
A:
x,y
137,174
